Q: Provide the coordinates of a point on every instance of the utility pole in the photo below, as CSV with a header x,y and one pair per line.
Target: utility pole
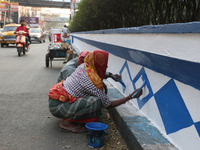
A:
x,y
9,15
74,6
4,20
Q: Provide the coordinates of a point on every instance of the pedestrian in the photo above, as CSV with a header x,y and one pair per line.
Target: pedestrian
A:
x,y
65,32
50,34
81,96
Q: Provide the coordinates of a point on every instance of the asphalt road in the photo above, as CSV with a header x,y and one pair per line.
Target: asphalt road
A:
x,y
25,120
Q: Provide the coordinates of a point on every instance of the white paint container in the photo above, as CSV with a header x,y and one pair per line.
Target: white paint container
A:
x,y
56,36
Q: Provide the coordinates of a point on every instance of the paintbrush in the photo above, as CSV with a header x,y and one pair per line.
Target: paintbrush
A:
x,y
120,81
139,89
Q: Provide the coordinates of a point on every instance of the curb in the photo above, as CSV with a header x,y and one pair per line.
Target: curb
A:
x,y
136,130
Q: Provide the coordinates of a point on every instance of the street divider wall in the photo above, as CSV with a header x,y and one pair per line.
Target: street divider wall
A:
x,y
167,58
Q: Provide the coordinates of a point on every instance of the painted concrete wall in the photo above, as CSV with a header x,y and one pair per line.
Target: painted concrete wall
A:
x,y
167,57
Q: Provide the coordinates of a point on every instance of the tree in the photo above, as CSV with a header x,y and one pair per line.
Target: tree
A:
x,y
110,14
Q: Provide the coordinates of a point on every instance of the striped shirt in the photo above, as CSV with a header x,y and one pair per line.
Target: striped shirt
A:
x,y
78,85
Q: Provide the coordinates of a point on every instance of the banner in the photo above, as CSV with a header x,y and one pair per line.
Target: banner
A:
x,y
3,6
32,21
47,19
13,7
25,18
63,19
56,19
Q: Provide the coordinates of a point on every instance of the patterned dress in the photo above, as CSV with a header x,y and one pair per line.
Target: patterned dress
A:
x,y
84,91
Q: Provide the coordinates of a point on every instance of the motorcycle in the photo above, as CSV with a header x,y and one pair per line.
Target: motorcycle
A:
x,y
21,43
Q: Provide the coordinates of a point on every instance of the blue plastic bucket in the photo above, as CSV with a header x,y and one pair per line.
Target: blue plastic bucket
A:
x,y
69,42
95,134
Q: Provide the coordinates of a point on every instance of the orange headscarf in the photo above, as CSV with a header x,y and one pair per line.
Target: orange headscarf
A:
x,y
95,66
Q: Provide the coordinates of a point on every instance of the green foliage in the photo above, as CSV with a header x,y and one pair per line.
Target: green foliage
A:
x,y
110,14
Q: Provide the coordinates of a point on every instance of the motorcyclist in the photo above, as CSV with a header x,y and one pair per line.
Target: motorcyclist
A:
x,y
23,28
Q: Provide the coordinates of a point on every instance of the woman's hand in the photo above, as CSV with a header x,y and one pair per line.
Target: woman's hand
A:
x,y
125,99
105,88
137,95
116,75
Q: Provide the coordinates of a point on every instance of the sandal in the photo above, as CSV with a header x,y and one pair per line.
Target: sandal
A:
x,y
71,130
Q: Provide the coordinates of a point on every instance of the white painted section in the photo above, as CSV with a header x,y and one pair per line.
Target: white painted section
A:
x,y
191,98
83,46
151,110
186,139
181,46
156,80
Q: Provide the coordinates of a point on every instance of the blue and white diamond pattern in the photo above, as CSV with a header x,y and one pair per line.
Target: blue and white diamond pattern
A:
x,y
171,106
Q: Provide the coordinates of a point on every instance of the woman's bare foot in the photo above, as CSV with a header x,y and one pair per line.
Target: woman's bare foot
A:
x,y
69,126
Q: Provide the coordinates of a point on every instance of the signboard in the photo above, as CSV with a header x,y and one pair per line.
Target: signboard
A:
x,y
25,18
56,19
63,19
3,6
13,7
32,21
47,19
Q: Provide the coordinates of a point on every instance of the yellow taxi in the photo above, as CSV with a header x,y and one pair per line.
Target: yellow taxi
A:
x,y
7,36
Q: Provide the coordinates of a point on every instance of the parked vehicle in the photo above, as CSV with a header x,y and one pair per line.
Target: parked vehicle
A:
x,y
7,36
1,29
21,43
37,34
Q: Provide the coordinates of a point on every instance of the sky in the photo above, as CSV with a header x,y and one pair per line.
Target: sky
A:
x,y
61,11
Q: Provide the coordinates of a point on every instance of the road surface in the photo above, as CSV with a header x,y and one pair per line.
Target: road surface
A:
x,y
25,121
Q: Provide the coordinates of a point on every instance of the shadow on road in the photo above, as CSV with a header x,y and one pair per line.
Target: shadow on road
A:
x,y
6,47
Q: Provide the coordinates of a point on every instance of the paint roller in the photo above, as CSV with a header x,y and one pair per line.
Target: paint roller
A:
x,y
139,89
120,81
